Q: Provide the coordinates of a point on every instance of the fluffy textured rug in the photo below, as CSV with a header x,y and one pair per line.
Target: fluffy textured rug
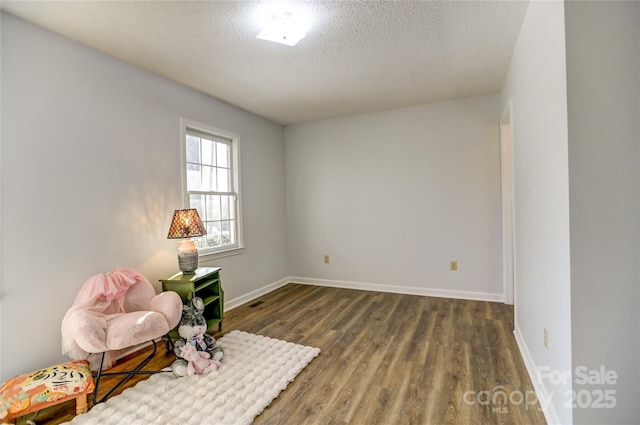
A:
x,y
255,369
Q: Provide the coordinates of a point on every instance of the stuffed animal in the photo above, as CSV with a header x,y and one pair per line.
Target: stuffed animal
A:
x,y
192,330
198,362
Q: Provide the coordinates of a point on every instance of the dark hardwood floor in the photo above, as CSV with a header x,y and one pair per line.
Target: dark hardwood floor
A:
x,y
386,359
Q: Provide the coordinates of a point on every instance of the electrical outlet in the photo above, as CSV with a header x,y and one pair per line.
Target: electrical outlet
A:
x,y
326,259
546,338
453,265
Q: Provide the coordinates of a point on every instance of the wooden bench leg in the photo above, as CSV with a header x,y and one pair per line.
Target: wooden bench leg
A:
x,y
81,404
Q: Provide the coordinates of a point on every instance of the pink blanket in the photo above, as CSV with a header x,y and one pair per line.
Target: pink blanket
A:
x,y
100,300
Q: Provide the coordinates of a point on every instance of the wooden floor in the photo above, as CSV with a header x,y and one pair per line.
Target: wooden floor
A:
x,y
387,359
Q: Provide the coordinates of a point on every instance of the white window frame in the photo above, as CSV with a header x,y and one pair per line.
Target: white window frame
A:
x,y
185,125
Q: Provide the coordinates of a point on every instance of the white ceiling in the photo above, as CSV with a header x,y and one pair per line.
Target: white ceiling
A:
x,y
359,56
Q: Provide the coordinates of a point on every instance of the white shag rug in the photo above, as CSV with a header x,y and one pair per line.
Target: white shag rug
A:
x,y
255,369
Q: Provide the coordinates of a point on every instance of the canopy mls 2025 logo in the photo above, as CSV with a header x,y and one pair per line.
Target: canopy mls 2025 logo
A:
x,y
595,392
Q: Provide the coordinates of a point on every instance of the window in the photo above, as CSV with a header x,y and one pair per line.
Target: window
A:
x,y
212,185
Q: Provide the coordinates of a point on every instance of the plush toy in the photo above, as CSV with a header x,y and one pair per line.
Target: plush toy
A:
x,y
192,330
198,362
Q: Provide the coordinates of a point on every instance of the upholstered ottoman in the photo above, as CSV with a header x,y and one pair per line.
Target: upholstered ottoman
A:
x,y
46,387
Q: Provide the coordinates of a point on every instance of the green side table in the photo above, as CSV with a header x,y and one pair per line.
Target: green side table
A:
x,y
206,284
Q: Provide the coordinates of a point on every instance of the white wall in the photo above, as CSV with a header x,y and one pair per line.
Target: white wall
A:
x,y
91,175
393,196
536,85
604,173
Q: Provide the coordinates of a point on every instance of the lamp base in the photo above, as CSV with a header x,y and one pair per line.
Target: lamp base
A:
x,y
187,257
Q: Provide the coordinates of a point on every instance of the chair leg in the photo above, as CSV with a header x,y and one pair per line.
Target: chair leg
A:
x,y
135,371
169,346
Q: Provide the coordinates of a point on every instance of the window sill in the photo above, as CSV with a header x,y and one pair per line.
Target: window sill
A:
x,y
206,256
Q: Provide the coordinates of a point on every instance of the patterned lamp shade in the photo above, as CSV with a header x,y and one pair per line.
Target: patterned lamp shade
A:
x,y
186,224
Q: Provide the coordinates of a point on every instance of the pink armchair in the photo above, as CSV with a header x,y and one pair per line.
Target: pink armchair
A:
x,y
113,312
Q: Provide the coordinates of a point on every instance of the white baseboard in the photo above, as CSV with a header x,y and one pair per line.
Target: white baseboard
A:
x,y
231,304
542,393
409,290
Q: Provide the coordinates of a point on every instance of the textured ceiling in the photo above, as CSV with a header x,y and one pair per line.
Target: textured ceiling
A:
x,y
359,56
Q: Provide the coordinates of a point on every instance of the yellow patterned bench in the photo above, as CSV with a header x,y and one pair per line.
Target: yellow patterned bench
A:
x,y
46,387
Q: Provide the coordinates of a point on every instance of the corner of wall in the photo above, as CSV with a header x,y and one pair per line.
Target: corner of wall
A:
x,y
536,86
542,392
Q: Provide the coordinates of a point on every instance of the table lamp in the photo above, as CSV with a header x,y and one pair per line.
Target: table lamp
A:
x,y
185,225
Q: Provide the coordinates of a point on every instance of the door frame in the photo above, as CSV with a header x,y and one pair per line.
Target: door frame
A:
x,y
508,205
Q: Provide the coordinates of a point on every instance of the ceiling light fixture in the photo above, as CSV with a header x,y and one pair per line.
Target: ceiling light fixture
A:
x,y
284,30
